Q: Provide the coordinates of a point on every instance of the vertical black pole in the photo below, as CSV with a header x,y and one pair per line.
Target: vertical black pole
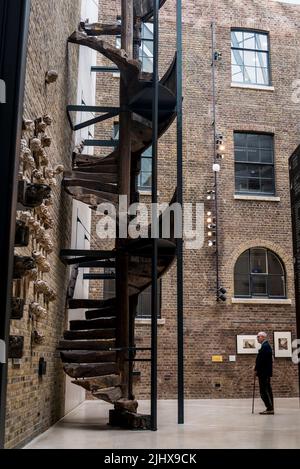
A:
x,y
213,64
154,293
180,316
14,20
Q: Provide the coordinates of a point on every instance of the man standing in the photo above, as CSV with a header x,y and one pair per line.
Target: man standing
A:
x,y
264,370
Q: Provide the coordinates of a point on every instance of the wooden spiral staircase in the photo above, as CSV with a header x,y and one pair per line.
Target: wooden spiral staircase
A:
x,y
90,348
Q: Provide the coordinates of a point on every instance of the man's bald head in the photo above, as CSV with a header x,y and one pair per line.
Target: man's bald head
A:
x,y
261,337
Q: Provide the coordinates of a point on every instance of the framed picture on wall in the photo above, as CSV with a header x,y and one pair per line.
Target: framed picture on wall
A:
x,y
247,344
283,344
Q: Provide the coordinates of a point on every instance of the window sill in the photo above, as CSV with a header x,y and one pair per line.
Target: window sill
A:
x,y
263,198
261,301
147,193
252,87
116,75
147,322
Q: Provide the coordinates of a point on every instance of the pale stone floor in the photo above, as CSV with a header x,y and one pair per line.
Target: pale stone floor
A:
x,y
210,424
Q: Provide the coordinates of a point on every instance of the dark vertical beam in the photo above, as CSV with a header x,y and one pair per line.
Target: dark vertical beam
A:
x,y
14,21
294,170
122,288
180,306
214,124
154,292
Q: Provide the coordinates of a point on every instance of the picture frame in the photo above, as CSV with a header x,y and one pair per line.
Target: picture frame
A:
x,y
247,345
283,344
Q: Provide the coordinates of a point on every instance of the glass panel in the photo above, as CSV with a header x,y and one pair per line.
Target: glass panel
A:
x,y
252,140
253,155
147,65
146,180
148,48
259,285
241,155
240,139
262,42
263,76
146,164
267,172
147,31
249,40
276,285
258,261
250,75
254,185
261,59
241,185
144,303
241,285
266,156
266,141
237,39
267,186
242,264
241,170
275,266
249,58
253,171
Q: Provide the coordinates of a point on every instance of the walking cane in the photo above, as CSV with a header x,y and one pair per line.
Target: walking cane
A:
x,y
253,394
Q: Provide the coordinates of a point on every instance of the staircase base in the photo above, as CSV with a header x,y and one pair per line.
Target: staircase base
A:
x,y
129,420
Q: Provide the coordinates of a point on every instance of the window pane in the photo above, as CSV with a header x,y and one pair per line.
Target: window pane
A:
x,y
249,40
241,170
262,76
146,164
262,42
261,59
267,186
237,39
249,58
240,139
266,156
266,141
276,286
250,75
253,171
241,155
147,65
237,74
259,285
274,263
253,155
267,172
242,264
241,185
253,140
241,285
258,261
146,180
254,185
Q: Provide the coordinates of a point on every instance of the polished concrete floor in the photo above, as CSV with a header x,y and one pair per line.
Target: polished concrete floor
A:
x,y
210,424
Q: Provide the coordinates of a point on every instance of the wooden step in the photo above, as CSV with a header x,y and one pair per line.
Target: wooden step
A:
x,y
90,334
83,356
101,323
89,370
110,395
101,313
101,344
90,304
94,384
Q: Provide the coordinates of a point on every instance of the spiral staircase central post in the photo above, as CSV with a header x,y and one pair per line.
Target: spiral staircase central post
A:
x,y
122,288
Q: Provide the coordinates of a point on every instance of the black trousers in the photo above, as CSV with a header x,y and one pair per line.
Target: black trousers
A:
x,y
266,391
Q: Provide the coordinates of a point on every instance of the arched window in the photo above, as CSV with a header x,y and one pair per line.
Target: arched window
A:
x,y
259,273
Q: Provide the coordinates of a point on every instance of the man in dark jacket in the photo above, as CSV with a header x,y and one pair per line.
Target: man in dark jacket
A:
x,y
264,371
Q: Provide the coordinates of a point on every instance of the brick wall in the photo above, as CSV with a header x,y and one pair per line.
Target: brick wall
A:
x,y
210,327
34,403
